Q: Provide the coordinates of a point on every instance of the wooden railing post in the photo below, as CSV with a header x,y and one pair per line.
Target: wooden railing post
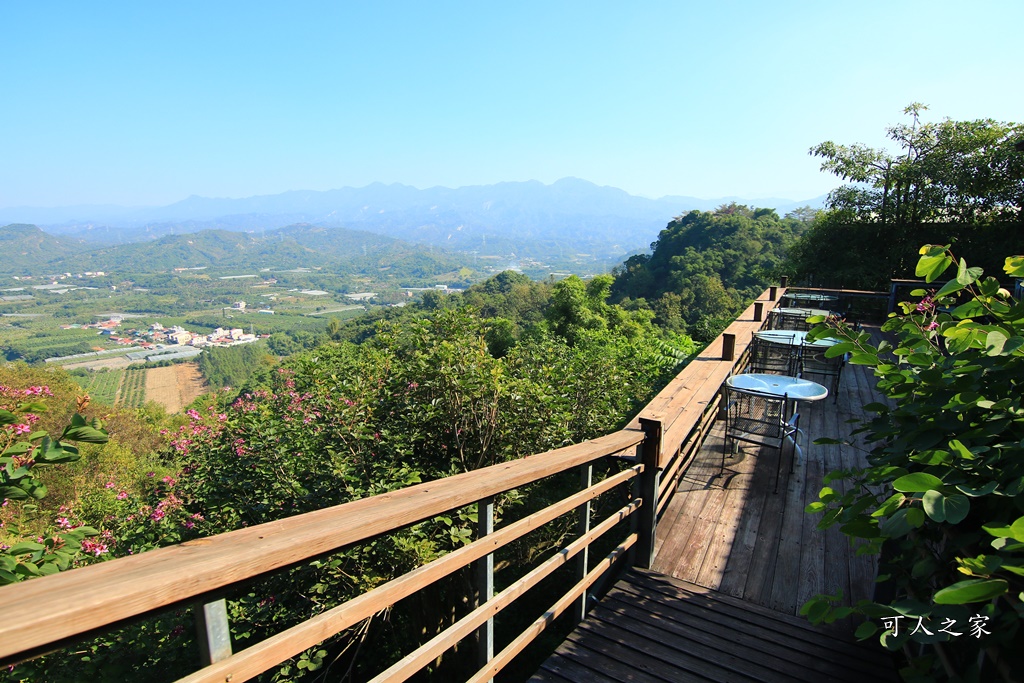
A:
x,y
650,454
583,559
783,281
758,311
728,346
213,631
485,581
773,292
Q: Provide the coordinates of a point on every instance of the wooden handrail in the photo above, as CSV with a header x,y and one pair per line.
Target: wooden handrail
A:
x,y
47,612
100,595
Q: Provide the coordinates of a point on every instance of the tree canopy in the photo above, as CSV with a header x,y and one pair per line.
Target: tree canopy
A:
x,y
959,182
706,265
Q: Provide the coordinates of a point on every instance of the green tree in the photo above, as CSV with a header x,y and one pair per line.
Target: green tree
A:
x,y
705,266
959,182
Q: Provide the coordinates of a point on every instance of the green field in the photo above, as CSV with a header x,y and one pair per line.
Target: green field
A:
x,y
101,386
125,387
133,388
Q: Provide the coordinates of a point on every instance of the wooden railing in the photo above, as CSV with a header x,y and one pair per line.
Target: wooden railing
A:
x,y
50,612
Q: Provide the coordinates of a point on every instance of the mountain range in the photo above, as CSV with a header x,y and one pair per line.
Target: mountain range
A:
x,y
526,219
29,250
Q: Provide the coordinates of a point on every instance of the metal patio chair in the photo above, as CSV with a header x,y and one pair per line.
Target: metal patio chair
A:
x,y
773,359
762,419
791,321
814,362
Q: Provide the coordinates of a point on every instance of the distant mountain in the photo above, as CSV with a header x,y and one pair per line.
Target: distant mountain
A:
x,y
29,250
522,218
28,245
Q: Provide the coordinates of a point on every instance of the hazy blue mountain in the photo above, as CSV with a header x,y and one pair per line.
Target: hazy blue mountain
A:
x,y
30,250
523,218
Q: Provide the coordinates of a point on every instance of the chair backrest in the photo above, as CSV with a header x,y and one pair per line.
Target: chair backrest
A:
x,y
756,416
772,358
813,360
793,321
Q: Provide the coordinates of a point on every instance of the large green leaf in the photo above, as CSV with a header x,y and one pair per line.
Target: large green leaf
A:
x,y
933,262
933,507
1014,266
994,342
942,508
25,547
902,522
85,434
918,482
965,275
972,590
949,288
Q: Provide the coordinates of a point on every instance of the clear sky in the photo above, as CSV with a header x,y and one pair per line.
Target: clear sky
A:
x,y
145,103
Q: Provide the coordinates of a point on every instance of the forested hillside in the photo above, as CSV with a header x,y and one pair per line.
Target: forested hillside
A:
x,y
706,266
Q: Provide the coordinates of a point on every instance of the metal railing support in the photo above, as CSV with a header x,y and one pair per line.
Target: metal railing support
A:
x,y
485,581
213,631
583,526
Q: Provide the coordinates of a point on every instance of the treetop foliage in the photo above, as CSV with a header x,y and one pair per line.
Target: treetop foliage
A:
x,y
958,182
705,266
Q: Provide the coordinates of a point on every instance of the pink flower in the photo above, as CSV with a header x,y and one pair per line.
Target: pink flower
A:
x,y
109,485
22,429
121,495
933,325
150,474
64,523
157,515
94,548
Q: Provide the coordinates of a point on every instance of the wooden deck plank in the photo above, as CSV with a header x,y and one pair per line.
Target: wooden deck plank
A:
x,y
749,629
688,563
760,572
679,657
703,637
685,509
762,546
661,628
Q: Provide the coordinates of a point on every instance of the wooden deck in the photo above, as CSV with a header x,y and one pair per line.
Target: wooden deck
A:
x,y
654,629
728,531
734,563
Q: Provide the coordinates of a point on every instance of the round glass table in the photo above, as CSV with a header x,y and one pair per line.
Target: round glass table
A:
x,y
816,298
778,385
805,312
792,337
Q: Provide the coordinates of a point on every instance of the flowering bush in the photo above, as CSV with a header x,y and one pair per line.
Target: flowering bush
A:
x,y
941,499
25,448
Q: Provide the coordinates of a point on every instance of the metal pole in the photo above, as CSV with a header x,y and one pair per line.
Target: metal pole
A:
x,y
213,631
583,559
485,581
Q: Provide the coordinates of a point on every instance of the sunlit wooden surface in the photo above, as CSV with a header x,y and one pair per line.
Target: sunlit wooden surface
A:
x,y
726,529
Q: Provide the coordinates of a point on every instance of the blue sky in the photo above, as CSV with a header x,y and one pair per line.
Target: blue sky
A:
x,y
146,103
